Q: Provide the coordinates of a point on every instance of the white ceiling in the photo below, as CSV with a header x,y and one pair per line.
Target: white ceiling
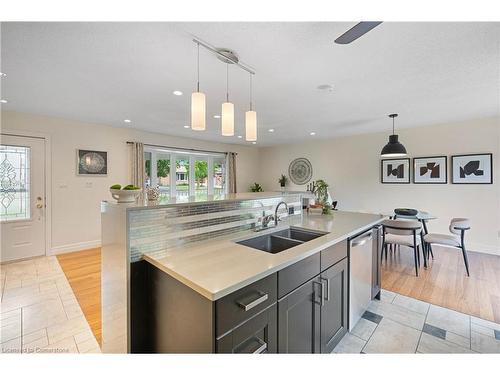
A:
x,y
106,72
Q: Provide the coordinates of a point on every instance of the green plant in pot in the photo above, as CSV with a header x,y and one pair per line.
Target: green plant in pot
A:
x,y
256,188
321,193
282,181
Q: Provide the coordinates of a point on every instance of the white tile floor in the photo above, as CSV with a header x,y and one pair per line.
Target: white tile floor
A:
x,y
399,324
39,312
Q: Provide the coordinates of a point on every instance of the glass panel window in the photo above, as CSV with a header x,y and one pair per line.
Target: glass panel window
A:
x,y
163,173
219,176
196,174
182,177
201,178
15,183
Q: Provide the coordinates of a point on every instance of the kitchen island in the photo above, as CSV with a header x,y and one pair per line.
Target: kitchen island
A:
x,y
216,295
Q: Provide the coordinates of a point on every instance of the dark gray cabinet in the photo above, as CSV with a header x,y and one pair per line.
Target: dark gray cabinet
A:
x,y
300,309
299,319
313,318
244,303
334,311
257,335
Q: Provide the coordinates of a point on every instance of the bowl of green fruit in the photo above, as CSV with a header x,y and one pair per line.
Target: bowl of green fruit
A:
x,y
125,194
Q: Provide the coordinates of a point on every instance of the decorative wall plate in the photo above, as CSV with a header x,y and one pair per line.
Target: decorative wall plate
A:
x,y
300,171
92,162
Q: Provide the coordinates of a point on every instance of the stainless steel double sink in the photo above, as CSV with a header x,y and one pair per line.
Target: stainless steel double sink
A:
x,y
281,240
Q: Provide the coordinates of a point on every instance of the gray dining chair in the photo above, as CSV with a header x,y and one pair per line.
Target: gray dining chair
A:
x,y
456,239
402,232
412,213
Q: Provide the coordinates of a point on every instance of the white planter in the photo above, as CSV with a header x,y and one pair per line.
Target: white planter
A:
x,y
125,196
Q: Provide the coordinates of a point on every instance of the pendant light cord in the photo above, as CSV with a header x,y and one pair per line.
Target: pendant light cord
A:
x,y
198,69
227,82
251,91
393,126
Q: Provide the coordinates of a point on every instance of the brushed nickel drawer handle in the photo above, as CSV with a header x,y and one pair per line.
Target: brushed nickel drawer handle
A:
x,y
322,287
262,348
327,297
248,306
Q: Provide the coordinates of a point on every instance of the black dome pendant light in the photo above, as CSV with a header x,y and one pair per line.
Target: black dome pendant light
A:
x,y
393,148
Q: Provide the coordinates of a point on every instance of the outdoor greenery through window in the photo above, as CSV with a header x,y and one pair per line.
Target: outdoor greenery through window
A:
x,y
196,174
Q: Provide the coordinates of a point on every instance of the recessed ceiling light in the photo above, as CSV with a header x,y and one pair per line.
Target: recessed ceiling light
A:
x,y
240,136
127,120
3,101
177,93
325,87
312,133
271,130
3,74
186,126
216,116
254,143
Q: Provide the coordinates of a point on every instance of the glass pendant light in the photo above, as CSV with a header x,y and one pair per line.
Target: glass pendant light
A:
x,y
227,113
251,120
393,148
198,104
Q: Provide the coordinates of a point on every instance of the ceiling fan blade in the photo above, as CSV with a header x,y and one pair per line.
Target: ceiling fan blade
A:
x,y
356,31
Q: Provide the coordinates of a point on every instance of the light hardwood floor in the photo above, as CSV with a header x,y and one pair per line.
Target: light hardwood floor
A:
x,y
83,271
445,282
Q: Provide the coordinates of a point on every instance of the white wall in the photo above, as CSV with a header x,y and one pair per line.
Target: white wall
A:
x,y
75,206
351,165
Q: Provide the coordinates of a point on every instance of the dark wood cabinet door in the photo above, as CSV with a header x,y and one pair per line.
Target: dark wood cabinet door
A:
x,y
299,319
334,310
257,335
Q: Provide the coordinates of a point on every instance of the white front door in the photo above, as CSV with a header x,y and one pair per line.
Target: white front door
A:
x,y
22,197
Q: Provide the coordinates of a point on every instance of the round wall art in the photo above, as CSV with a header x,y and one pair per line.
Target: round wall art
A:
x,y
300,171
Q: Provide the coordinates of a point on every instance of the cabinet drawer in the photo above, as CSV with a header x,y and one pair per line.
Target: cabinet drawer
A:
x,y
241,305
297,274
257,335
333,254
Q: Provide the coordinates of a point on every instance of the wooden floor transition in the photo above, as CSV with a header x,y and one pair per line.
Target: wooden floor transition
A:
x,y
83,271
443,283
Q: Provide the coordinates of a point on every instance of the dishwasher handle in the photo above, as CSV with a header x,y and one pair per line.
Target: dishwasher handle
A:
x,y
359,241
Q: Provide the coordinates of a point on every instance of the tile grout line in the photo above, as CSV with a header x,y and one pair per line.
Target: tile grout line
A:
x,y
444,307
404,324
22,335
366,343
422,330
4,285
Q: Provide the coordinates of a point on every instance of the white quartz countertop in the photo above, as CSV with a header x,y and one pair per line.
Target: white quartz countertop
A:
x,y
218,267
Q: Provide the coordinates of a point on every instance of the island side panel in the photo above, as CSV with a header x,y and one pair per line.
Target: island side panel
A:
x,y
114,279
181,320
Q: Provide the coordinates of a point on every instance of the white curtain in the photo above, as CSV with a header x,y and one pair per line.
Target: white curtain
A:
x,y
138,175
231,172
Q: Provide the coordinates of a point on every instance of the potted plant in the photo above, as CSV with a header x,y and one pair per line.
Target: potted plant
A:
x,y
282,181
256,188
321,192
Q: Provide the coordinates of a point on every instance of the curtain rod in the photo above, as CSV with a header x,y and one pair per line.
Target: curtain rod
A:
x,y
182,148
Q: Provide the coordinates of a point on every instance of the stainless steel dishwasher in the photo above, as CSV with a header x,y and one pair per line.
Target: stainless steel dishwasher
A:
x,y
360,275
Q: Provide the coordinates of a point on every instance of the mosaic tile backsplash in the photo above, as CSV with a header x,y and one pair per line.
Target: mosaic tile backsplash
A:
x,y
158,229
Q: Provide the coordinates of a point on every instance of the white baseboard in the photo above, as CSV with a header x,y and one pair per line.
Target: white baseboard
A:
x,y
74,247
482,248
